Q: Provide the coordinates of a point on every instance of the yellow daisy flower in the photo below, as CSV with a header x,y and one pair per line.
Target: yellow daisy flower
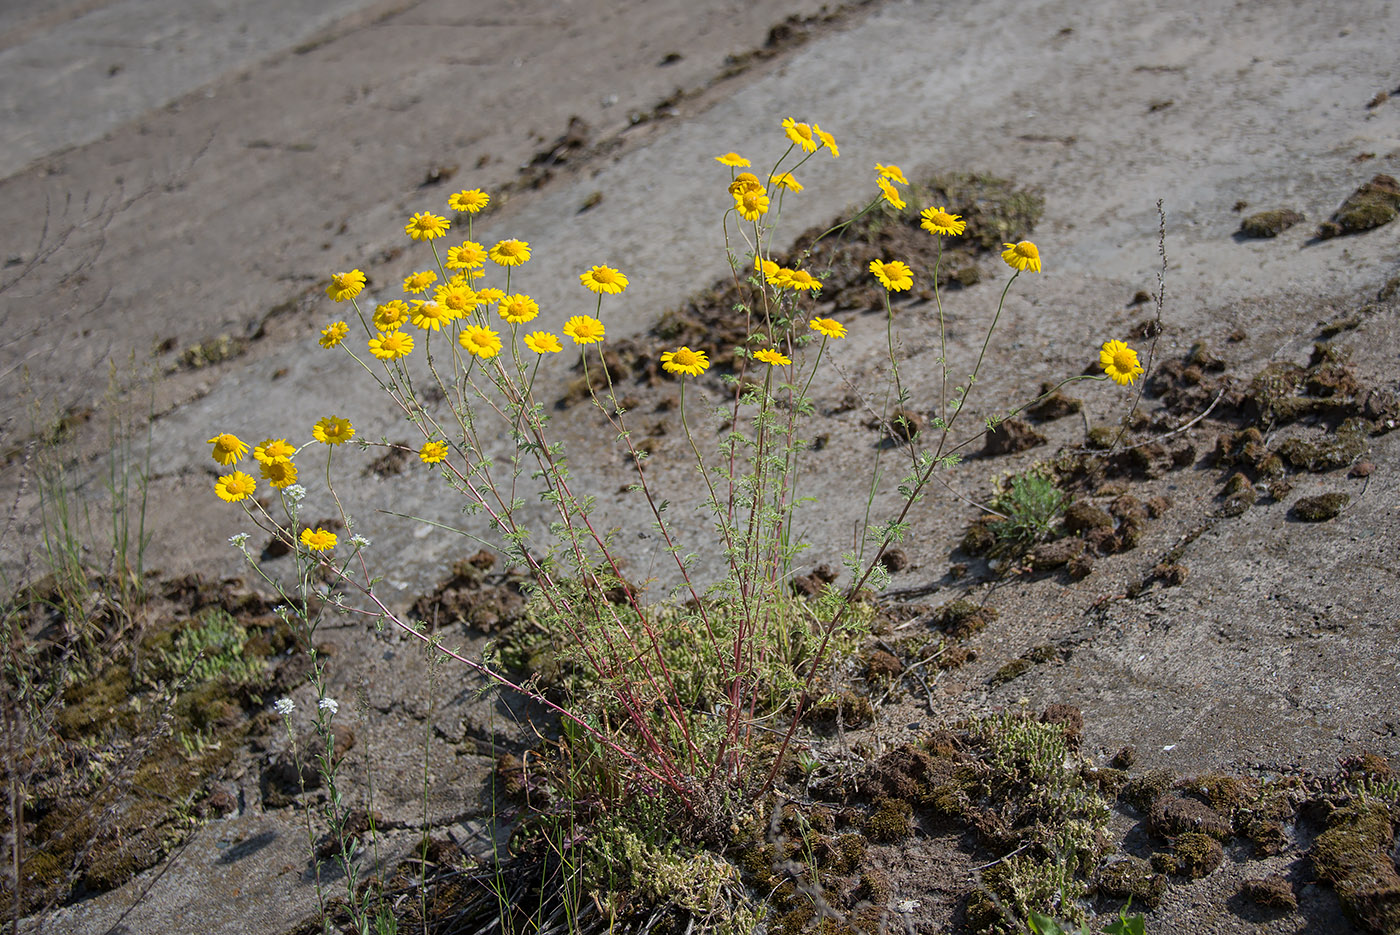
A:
x,y
893,173
321,540
827,139
780,277
601,279
939,221
273,449
418,283
734,160
584,329
491,296
766,268
890,193
430,316
483,342
426,226
281,473
786,181
391,316
433,452
345,285
234,487
752,206
471,201
744,182
543,342
510,252
391,345
801,280
228,449
468,255
801,134
685,361
828,327
333,430
771,357
518,309
459,297
1120,362
1022,256
895,276
333,334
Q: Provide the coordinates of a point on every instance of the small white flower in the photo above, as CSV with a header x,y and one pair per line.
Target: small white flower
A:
x,y
294,493
329,704
284,706
359,542
238,540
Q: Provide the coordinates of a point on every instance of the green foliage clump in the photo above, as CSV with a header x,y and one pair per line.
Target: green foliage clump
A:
x,y
1032,505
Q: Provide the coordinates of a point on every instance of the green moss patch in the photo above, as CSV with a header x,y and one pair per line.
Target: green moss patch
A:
x,y
1373,204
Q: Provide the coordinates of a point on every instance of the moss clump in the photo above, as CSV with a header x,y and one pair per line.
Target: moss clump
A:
x,y
962,618
1131,878
1083,516
1271,892
1013,669
1014,888
1320,508
1337,450
1352,856
1373,204
849,708
1269,223
891,820
1141,792
1193,855
1174,814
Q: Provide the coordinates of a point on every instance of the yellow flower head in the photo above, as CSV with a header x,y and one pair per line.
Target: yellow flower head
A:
x,y
685,361
890,193
321,540
780,277
468,255
752,205
734,160
425,226
510,252
333,334
584,329
766,268
894,275
800,280
1022,256
771,357
279,474
786,181
234,487
893,173
432,452
1120,362
828,327
827,139
273,449
391,345
938,221
483,342
333,430
518,309
391,316
471,201
744,182
430,316
459,297
801,135
602,279
543,342
345,285
228,449
418,283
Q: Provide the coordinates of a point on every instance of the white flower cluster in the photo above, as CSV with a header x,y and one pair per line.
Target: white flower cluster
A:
x,y
329,704
284,706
